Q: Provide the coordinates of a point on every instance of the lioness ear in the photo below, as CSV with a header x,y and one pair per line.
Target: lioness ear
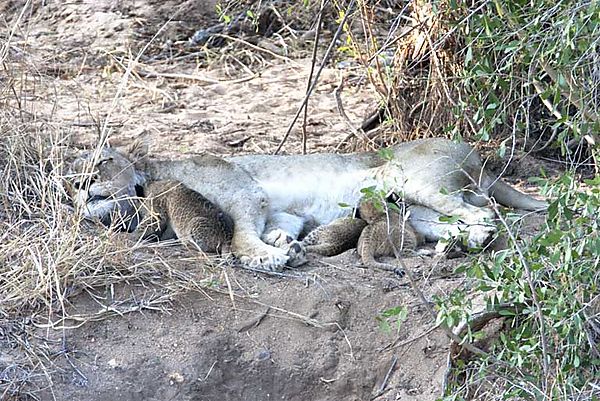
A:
x,y
137,150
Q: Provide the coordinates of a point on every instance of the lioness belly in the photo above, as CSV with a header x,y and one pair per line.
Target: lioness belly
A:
x,y
313,186
321,200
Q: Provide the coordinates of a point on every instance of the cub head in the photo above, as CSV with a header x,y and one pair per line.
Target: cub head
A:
x,y
105,185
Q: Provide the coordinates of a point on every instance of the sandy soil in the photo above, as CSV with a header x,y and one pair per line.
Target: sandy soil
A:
x,y
310,335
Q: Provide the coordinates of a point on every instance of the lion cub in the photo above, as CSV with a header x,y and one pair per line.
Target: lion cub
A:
x,y
384,233
171,210
369,234
334,238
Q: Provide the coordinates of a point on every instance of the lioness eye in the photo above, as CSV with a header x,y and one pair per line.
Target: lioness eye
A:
x,y
101,162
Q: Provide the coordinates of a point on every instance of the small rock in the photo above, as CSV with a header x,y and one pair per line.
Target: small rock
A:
x,y
263,355
175,377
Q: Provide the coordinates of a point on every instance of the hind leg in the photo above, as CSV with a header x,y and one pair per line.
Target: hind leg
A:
x,y
323,249
478,222
334,238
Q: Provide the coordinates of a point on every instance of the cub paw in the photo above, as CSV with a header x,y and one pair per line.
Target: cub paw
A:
x,y
297,253
278,238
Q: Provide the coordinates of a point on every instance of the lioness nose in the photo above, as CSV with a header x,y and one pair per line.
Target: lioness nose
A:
x,y
81,183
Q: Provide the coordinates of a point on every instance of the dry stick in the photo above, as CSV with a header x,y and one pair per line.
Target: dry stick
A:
x,y
6,48
387,377
532,287
104,130
340,106
193,77
306,319
314,83
395,25
229,288
255,322
417,290
260,49
312,70
537,304
529,277
412,339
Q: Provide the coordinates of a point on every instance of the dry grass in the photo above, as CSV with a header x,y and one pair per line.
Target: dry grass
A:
x,y
412,66
49,256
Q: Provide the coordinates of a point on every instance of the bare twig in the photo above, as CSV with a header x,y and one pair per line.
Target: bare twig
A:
x,y
258,48
314,83
255,322
532,288
387,377
427,305
412,339
193,77
338,102
312,69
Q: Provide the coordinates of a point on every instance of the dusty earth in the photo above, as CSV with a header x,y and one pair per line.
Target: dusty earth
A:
x,y
310,334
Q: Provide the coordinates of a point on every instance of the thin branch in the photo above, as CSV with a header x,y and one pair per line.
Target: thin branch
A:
x,y
255,47
193,77
386,379
413,283
312,70
532,287
314,83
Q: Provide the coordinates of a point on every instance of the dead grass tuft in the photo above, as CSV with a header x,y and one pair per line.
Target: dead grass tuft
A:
x,y
412,68
48,256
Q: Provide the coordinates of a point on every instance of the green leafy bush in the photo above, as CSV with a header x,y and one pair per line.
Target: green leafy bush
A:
x,y
548,289
530,69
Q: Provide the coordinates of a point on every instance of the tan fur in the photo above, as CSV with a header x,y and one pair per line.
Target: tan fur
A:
x,y
376,234
387,233
171,209
334,238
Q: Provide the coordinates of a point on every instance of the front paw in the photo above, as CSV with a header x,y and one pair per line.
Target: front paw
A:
x,y
278,238
271,259
480,235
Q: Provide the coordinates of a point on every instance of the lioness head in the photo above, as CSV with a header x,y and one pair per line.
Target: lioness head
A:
x,y
105,184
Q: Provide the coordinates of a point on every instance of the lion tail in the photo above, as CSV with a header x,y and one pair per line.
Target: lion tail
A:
x,y
506,195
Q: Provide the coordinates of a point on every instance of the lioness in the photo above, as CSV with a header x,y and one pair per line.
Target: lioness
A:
x,y
271,198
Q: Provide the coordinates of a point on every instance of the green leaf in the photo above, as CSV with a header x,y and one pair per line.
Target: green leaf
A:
x,y
368,190
469,55
449,219
501,152
386,153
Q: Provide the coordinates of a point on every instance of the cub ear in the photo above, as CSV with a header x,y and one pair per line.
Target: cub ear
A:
x,y
137,150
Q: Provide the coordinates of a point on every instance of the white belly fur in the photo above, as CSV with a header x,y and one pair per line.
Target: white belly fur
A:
x,y
318,199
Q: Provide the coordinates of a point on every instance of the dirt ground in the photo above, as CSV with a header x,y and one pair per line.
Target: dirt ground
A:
x,y
311,334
